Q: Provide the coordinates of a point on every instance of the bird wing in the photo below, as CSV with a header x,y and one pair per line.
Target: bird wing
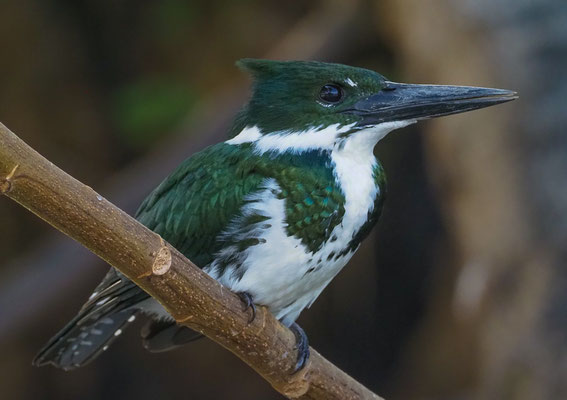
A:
x,y
198,200
189,210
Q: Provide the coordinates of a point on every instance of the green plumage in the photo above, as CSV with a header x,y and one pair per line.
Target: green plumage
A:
x,y
284,94
198,201
265,212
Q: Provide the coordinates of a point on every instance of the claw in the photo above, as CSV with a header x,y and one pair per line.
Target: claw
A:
x,y
248,304
302,346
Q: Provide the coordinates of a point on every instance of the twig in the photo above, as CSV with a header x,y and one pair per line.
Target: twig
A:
x,y
191,297
324,33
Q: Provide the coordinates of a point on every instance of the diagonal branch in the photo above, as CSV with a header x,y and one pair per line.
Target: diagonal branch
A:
x,y
191,296
324,33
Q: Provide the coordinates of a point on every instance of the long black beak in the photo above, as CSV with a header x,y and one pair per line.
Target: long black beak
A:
x,y
401,102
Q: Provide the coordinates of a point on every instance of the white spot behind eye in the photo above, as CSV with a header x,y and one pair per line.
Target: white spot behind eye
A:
x,y
351,83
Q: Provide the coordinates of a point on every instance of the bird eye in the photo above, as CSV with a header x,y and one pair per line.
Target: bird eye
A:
x,y
331,93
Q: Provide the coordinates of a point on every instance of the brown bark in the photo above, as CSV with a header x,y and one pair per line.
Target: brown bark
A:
x,y
321,34
192,297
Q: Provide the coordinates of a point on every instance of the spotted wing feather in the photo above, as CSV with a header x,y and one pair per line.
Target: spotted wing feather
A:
x,y
189,210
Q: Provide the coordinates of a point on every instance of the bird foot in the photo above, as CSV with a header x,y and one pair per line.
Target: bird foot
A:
x,y
302,346
248,304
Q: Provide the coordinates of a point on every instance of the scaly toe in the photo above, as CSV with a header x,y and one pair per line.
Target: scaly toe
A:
x,y
302,346
248,304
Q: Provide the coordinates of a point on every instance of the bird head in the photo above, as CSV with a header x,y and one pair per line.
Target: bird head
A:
x,y
302,105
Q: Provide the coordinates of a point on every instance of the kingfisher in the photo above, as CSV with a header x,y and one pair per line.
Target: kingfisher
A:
x,y
279,208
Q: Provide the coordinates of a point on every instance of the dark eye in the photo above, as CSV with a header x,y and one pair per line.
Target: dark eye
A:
x,y
331,93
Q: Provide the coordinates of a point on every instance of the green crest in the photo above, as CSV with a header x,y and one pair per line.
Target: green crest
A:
x,y
286,95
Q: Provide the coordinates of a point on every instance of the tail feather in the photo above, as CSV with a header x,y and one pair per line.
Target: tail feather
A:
x,y
163,335
79,343
114,304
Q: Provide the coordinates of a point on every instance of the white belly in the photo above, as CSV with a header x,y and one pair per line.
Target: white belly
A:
x,y
281,273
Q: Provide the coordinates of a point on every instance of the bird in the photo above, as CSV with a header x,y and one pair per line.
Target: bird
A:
x,y
276,210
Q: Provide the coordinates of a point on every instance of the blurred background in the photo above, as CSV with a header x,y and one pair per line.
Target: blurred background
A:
x,y
461,291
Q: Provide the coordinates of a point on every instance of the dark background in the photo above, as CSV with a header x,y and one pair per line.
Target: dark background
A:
x,y
460,291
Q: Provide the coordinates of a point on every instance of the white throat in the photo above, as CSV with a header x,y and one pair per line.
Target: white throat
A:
x,y
354,164
328,138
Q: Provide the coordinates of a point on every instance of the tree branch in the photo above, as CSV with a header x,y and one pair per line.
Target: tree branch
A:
x,y
324,33
192,297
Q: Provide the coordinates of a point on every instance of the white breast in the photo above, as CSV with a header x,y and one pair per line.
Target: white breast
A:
x,y
281,273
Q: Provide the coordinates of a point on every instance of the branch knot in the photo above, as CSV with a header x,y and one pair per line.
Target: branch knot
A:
x,y
6,183
162,260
